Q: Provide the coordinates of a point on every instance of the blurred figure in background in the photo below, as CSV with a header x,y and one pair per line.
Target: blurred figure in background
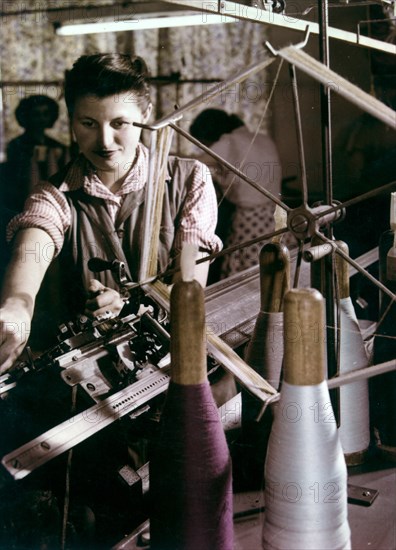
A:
x,y
33,156
252,212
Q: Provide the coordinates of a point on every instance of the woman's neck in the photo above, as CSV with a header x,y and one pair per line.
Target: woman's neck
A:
x,y
112,181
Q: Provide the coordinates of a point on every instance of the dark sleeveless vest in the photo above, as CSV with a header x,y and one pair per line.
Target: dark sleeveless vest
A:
x,y
92,233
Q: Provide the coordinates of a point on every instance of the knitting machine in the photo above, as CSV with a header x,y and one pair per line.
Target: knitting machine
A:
x,y
117,366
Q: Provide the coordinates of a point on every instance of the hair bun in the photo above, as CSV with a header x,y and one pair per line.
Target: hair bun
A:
x,y
139,66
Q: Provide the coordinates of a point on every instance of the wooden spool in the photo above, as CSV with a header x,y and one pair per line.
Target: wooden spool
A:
x,y
304,337
274,276
342,271
188,342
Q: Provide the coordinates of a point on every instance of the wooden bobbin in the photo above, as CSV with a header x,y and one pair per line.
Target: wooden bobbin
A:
x,y
188,333
342,271
318,268
274,276
304,337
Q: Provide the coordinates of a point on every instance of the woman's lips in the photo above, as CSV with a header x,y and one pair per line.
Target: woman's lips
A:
x,y
105,154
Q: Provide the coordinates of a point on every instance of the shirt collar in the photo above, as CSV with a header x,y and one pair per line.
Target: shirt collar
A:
x,y
83,174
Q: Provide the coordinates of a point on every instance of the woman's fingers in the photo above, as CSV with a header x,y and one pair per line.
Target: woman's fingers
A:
x,y
102,300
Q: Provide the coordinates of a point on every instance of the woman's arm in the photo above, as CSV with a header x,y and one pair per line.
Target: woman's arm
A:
x,y
199,219
200,273
32,254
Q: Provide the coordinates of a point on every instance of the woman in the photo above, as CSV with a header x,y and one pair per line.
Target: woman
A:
x,y
95,206
255,156
33,156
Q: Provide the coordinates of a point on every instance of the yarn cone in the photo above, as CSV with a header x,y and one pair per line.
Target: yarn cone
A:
x,y
190,466
265,355
305,471
354,429
265,350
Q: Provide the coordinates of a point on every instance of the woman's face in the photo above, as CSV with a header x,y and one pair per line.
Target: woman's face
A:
x,y
105,133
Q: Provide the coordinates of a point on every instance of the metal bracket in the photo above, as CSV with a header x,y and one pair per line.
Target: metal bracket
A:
x,y
361,495
300,45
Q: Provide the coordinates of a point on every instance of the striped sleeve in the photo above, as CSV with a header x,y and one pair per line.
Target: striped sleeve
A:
x,y
47,209
199,215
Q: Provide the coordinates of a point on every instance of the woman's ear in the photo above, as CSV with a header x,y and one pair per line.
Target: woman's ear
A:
x,y
147,113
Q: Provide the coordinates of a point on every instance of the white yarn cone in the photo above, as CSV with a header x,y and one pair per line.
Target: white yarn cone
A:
x,y
305,471
265,351
305,474
354,428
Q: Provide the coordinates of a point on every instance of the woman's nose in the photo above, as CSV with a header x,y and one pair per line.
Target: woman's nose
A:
x,y
105,137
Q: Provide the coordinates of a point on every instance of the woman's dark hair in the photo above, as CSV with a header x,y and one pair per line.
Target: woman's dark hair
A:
x,y
211,124
27,104
107,74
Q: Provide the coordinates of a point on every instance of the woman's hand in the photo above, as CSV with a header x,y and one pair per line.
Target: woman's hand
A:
x,y
15,323
102,300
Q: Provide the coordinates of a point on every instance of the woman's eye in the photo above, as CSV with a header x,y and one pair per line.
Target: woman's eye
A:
x,y
120,123
87,123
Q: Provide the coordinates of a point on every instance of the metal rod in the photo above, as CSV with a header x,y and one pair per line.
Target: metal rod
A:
x,y
351,377
325,95
300,140
374,192
228,250
362,374
325,103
